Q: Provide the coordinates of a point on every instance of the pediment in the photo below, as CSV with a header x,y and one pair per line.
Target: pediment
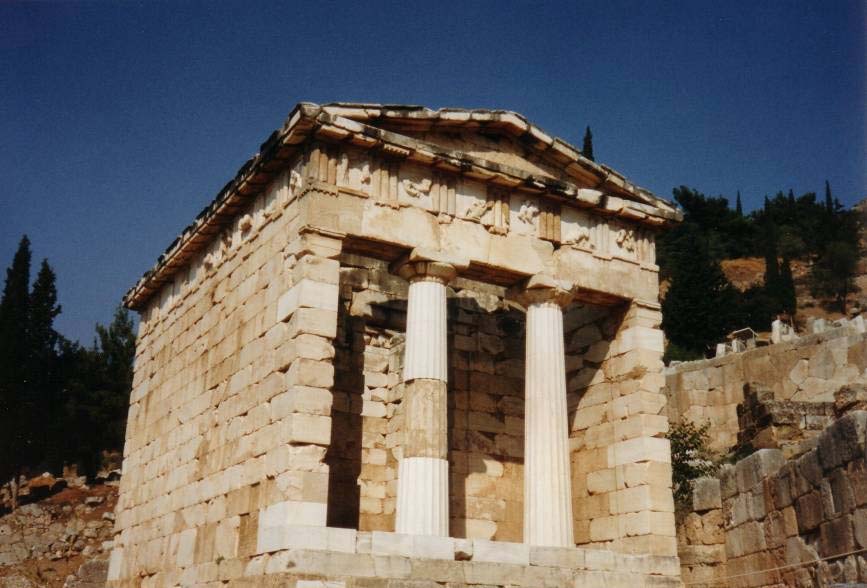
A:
x,y
491,146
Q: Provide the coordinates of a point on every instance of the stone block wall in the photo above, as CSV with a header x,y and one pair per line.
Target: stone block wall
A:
x,y
809,369
766,423
768,522
621,463
230,410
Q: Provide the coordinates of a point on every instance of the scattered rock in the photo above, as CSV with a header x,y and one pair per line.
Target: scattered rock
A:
x,y
15,581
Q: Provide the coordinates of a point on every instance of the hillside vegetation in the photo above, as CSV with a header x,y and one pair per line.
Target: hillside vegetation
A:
x,y
795,257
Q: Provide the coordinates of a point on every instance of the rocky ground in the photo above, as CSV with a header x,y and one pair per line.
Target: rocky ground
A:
x,y
63,539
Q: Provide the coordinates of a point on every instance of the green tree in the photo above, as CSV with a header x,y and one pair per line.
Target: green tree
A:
x,y
829,200
700,304
728,235
756,308
117,346
739,209
98,381
587,151
833,273
773,286
81,374
691,457
788,296
14,316
44,416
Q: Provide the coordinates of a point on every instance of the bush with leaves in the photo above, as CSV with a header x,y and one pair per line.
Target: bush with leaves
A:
x,y
691,457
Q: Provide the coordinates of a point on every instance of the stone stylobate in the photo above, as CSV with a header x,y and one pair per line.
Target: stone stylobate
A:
x,y
547,479
423,487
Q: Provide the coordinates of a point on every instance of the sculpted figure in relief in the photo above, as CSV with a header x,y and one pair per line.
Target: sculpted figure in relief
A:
x,y
626,239
528,212
365,173
294,182
343,169
246,223
478,209
416,189
582,239
209,261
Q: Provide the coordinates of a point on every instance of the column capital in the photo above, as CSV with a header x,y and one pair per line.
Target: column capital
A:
x,y
542,288
428,265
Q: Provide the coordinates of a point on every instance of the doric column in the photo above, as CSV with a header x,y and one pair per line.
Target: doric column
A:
x,y
423,472
547,479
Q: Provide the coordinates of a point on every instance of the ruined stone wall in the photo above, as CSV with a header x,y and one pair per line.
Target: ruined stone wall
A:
x,y
811,368
770,522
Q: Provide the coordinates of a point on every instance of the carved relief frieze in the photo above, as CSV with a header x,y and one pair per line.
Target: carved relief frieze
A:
x,y
579,229
606,237
524,214
417,189
354,172
634,244
477,210
296,184
624,237
343,169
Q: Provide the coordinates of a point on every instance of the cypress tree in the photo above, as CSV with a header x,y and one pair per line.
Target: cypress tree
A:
x,y
14,317
789,299
738,206
772,267
699,307
829,200
587,151
117,344
44,407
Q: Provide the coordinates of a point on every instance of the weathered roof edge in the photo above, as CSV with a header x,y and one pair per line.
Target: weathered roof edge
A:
x,y
508,120
347,117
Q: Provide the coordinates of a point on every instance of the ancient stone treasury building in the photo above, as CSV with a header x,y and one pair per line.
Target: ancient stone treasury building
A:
x,y
403,347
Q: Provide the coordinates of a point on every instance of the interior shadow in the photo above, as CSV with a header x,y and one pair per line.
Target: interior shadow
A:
x,y
344,452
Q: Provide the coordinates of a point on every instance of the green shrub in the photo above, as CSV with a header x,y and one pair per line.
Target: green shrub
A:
x,y
691,457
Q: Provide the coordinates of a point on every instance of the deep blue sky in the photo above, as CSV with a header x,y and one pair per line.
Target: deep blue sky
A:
x,y
119,121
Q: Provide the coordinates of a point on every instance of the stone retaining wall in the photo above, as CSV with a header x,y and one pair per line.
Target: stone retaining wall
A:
x,y
768,522
787,425
810,369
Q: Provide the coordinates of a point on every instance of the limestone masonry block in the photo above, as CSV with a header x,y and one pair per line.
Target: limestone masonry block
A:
x,y
706,494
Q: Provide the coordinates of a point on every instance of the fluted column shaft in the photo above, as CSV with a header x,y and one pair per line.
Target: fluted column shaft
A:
x,y
547,478
425,352
423,485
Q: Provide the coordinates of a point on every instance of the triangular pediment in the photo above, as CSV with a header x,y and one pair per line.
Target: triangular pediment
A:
x,y
489,145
